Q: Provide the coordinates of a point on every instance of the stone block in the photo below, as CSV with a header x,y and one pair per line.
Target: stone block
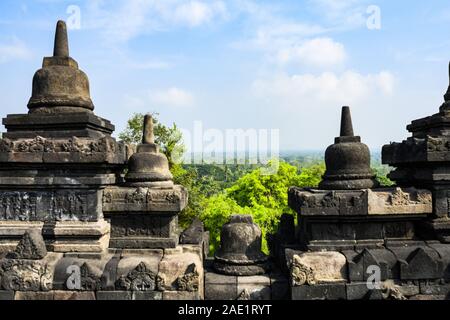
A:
x,y
434,289
425,297
91,272
120,200
326,266
419,263
360,291
11,232
181,295
147,295
193,234
279,286
135,271
78,236
74,295
335,291
256,287
114,295
360,262
220,287
399,201
28,295
176,265
6,295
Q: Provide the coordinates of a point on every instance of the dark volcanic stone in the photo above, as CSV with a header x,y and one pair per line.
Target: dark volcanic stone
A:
x,y
60,86
240,248
220,287
360,291
241,270
6,295
193,234
147,295
114,295
347,161
319,292
279,286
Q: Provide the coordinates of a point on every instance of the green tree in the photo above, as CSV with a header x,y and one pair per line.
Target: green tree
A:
x,y
381,175
262,196
270,191
134,130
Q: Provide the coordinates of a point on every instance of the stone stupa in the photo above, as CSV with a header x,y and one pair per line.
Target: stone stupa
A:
x,y
347,160
56,160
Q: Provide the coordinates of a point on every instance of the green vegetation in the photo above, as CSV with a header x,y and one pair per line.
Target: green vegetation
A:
x,y
217,191
262,196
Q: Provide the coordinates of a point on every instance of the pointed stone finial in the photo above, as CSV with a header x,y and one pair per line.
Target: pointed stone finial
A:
x,y
61,48
346,123
447,95
149,136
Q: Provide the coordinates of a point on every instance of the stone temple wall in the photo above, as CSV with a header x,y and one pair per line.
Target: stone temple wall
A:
x,y
86,217
72,225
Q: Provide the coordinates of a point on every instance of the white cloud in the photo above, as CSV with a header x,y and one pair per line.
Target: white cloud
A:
x,y
14,50
195,13
326,88
342,14
175,97
127,19
286,41
268,30
318,52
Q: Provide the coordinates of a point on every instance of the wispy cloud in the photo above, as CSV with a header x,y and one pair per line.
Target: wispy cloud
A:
x,y
14,49
174,97
317,52
325,88
195,13
341,14
127,19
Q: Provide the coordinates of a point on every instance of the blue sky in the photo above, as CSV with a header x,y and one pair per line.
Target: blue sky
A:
x,y
287,65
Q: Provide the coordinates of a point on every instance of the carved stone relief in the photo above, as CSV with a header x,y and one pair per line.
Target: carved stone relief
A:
x,y
300,273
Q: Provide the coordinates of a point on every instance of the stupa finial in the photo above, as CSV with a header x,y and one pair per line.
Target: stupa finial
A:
x,y
148,136
447,94
61,48
346,123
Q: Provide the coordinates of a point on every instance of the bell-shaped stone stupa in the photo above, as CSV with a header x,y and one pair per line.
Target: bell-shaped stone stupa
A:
x,y
148,167
240,248
60,86
347,160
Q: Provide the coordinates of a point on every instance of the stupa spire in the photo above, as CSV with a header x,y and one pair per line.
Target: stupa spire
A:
x,y
346,123
446,105
61,48
148,136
